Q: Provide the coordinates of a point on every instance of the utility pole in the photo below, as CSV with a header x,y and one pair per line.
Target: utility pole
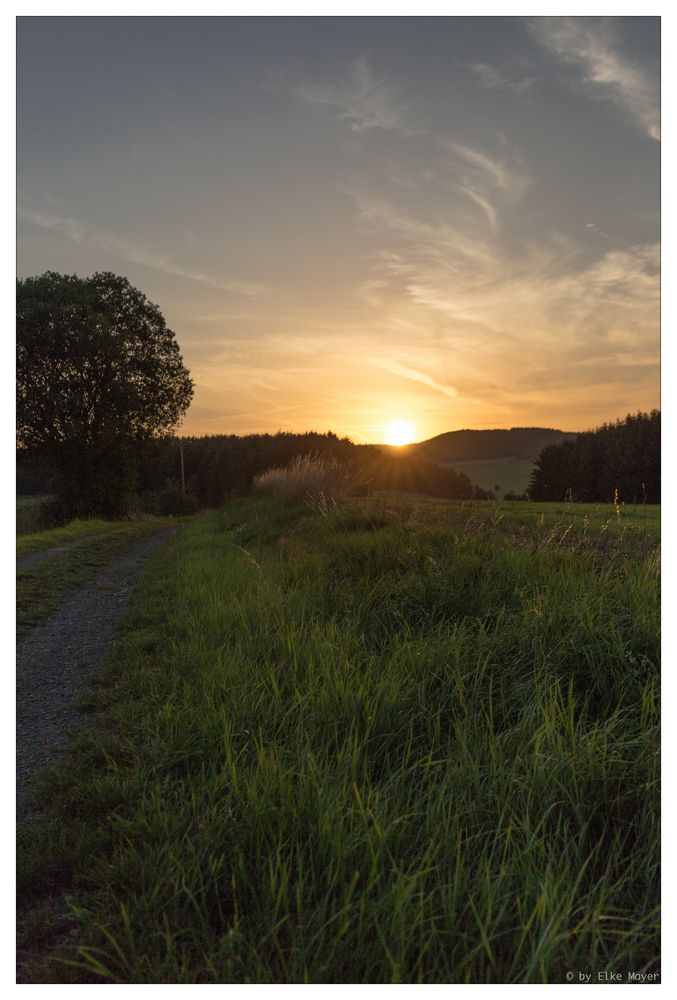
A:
x,y
183,472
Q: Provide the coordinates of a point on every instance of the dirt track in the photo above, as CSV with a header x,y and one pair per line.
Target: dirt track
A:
x,y
56,662
37,557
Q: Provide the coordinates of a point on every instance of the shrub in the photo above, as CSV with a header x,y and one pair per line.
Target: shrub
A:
x,y
173,501
38,514
166,502
307,477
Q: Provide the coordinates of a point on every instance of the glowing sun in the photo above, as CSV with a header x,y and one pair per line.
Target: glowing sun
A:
x,y
399,432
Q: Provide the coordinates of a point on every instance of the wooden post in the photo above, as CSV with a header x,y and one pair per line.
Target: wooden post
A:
x,y
183,472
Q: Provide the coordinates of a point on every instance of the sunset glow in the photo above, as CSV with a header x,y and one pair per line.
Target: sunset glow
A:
x,y
383,223
400,432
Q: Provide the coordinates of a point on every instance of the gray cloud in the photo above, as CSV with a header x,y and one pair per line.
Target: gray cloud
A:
x,y
605,72
490,78
79,232
364,100
502,173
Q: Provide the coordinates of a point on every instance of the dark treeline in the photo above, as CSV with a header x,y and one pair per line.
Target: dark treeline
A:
x,y
222,466
623,456
383,469
219,467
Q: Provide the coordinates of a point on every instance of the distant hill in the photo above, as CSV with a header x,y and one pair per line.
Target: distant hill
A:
x,y
470,445
496,460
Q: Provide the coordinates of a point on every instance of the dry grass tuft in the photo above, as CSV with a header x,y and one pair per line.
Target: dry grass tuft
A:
x,y
312,477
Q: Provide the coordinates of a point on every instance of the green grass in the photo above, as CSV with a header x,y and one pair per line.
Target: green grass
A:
x,y
588,525
511,474
32,513
405,742
41,588
36,541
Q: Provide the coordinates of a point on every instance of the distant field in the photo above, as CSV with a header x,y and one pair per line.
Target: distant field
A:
x,y
511,474
403,741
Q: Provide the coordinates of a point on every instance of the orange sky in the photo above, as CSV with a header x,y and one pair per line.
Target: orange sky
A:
x,y
350,221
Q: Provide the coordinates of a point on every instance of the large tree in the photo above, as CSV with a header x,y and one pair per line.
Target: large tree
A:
x,y
97,371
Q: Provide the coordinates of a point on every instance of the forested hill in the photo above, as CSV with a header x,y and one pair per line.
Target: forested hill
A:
x,y
468,445
620,460
220,466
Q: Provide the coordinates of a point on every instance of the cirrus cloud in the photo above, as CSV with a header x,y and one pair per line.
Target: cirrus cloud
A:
x,y
605,71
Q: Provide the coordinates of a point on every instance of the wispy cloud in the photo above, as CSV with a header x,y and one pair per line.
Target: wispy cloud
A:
x,y
482,202
476,186
534,309
415,375
593,47
484,178
508,176
80,232
364,100
490,78
437,239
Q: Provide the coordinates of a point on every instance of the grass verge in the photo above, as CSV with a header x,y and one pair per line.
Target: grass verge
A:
x,y
374,747
40,589
36,541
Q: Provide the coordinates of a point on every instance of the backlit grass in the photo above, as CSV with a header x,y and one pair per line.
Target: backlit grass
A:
x,y
381,744
36,541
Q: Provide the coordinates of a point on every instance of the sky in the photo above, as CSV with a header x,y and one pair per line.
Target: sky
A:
x,y
452,222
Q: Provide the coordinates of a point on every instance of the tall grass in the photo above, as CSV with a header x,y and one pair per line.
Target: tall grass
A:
x,y
313,477
397,749
35,513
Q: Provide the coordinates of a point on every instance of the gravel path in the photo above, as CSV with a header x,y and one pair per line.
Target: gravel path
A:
x,y
38,557
56,661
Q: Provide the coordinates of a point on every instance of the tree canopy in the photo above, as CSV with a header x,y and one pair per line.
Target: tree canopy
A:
x,y
97,369
95,360
624,456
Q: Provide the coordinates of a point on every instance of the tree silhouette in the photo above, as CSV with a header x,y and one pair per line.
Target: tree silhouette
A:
x,y
623,456
97,372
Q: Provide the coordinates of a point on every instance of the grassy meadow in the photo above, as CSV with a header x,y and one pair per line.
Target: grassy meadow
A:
x,y
398,741
512,475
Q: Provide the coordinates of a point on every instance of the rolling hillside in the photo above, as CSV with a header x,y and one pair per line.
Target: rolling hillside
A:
x,y
492,458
